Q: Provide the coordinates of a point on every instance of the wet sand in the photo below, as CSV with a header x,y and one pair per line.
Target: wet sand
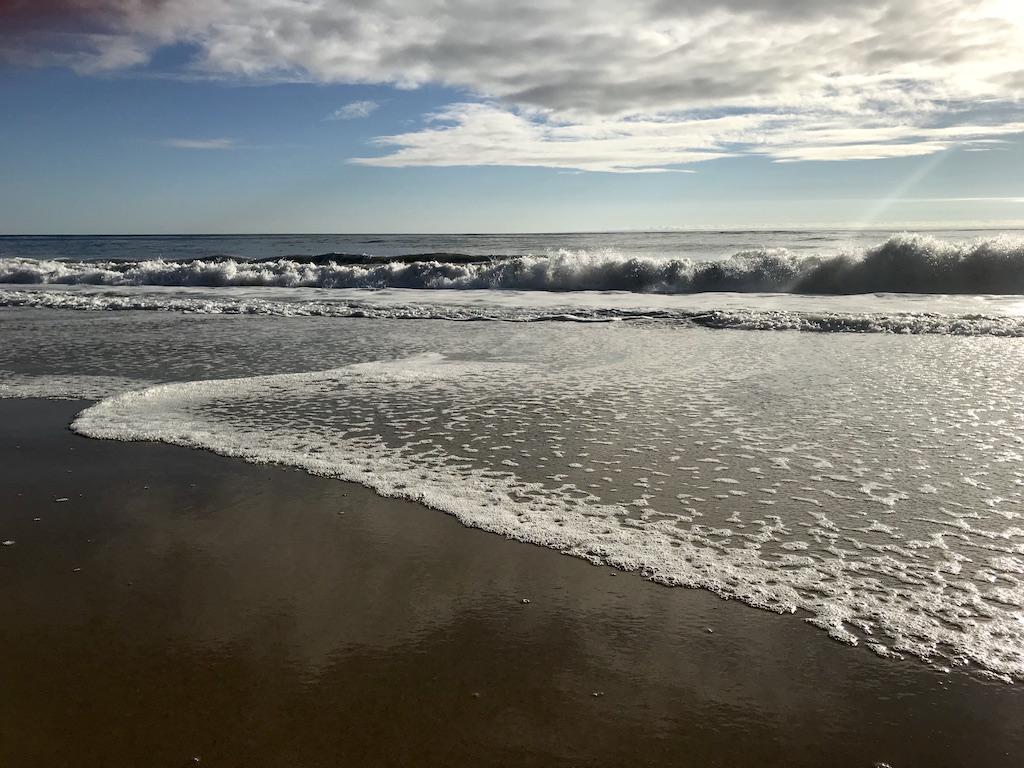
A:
x,y
183,608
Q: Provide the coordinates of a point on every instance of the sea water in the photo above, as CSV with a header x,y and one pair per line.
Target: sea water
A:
x,y
866,477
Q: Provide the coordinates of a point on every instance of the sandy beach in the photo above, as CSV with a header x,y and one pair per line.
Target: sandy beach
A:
x,y
471,384
181,608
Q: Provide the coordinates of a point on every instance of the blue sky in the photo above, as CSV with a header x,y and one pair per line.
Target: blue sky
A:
x,y
172,141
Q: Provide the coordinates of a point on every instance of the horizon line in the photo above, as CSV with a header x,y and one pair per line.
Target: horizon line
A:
x,y
972,227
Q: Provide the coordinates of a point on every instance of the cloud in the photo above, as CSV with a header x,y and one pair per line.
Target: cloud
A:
x,y
491,134
200,143
354,110
603,85
86,35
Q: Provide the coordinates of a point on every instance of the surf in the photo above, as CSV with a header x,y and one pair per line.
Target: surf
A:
x,y
905,263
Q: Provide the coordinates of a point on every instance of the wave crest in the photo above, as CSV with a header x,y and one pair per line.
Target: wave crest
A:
x,y
904,263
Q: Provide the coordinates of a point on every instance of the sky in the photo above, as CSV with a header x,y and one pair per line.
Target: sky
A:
x,y
154,116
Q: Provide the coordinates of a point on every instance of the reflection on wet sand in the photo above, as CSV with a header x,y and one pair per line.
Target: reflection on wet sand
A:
x,y
181,605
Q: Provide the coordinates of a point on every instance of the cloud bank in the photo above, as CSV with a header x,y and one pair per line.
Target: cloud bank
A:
x,y
649,85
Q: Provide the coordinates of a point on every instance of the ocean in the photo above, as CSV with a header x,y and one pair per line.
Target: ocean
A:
x,y
827,424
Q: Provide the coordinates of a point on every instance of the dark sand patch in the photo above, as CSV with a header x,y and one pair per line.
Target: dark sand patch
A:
x,y
257,616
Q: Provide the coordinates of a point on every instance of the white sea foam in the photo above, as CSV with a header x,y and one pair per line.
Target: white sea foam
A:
x,y
401,427
760,316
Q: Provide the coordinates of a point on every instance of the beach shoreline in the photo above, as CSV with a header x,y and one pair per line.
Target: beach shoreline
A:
x,y
184,605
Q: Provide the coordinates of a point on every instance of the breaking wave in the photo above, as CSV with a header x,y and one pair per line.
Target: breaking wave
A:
x,y
904,263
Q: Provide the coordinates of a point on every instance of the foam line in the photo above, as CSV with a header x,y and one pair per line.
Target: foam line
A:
x,y
954,324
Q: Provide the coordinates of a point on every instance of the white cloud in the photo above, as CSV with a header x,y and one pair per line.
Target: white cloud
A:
x,y
601,85
490,134
200,143
354,110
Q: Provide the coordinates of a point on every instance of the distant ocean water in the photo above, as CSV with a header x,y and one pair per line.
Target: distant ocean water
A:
x,y
868,477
